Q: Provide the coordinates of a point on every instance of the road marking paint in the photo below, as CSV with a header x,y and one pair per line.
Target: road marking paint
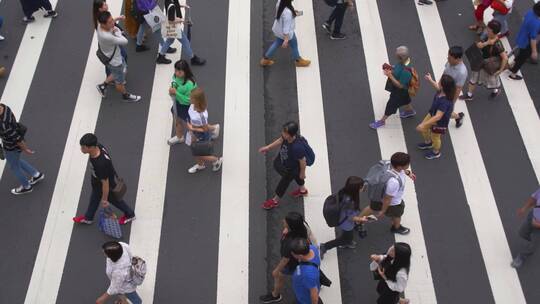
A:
x,y
233,258
420,287
49,266
503,279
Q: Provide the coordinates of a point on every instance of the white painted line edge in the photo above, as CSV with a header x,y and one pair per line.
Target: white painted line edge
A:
x,y
503,279
233,257
313,127
24,67
51,256
420,287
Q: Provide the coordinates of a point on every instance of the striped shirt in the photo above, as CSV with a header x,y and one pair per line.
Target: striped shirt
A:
x,y
8,130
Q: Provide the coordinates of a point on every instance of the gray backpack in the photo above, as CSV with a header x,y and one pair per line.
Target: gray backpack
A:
x,y
376,180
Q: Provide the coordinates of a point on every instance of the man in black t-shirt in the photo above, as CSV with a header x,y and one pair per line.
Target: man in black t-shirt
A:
x,y
103,182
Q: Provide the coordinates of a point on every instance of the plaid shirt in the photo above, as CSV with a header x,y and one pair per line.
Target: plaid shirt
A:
x,y
8,130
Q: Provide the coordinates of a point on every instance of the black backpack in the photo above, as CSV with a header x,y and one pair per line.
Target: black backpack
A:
x,y
332,211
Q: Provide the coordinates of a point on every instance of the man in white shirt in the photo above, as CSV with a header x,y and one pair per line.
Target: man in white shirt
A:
x,y
110,39
392,204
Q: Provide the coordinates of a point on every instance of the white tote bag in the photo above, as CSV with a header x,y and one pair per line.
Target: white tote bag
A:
x,y
155,18
170,30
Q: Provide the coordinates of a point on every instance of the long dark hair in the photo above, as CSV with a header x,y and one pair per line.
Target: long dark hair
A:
x,y
285,4
297,228
448,86
183,65
95,11
352,188
401,260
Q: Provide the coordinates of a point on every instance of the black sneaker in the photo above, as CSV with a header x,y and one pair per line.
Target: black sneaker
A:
x,y
102,89
322,250
35,180
131,98
338,36
197,60
401,230
21,190
269,298
161,59
427,2
51,14
327,27
141,48
171,50
459,121
466,97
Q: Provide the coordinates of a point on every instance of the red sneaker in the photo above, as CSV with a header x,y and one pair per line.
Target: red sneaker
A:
x,y
81,220
298,193
269,204
124,219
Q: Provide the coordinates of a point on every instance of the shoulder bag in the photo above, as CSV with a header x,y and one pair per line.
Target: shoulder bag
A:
x,y
202,147
493,63
104,58
120,190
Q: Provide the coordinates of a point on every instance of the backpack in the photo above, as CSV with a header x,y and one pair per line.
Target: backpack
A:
x,y
376,180
137,271
332,211
310,155
414,84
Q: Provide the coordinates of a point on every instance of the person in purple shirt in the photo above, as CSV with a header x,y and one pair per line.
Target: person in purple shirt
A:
x,y
349,198
527,40
529,231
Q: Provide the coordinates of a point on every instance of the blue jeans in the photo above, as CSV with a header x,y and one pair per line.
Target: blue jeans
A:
x,y
134,297
20,168
186,45
502,19
293,43
140,34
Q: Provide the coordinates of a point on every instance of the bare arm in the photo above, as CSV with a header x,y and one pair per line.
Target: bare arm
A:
x,y
271,146
104,190
314,294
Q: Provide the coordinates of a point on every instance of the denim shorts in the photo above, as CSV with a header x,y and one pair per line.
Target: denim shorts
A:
x,y
118,72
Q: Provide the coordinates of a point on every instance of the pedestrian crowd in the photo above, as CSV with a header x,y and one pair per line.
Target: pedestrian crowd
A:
x,y
384,184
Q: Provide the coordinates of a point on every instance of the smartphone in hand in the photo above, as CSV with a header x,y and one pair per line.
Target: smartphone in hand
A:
x,y
386,66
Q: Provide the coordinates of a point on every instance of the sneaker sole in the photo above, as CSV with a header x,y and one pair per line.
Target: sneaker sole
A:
x,y
100,93
21,193
273,301
337,38
327,30
424,148
38,180
433,157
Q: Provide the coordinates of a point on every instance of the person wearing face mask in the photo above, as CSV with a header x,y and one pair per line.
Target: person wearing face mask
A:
x,y
392,272
294,227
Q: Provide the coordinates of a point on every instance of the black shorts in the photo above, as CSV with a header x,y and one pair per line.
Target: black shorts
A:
x,y
398,98
392,211
181,111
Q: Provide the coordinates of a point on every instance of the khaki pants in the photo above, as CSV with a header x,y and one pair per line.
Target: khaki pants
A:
x,y
429,136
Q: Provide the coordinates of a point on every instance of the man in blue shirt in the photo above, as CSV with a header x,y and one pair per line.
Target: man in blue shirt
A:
x,y
305,279
526,40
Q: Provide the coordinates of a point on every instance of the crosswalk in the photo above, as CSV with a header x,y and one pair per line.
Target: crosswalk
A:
x,y
197,232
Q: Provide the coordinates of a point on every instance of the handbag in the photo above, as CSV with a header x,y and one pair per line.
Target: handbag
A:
x,y
474,55
202,147
155,18
104,58
499,7
108,223
120,190
491,64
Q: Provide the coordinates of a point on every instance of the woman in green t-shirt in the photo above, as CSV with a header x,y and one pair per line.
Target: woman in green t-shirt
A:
x,y
183,82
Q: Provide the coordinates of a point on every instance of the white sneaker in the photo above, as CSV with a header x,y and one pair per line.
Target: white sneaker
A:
x,y
196,168
215,133
175,140
2,38
217,164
